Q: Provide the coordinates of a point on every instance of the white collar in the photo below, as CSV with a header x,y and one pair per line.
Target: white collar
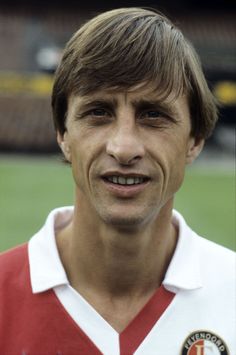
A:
x,y
184,269
46,269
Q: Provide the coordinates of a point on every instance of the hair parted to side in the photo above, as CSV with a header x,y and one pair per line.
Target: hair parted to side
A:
x,y
125,47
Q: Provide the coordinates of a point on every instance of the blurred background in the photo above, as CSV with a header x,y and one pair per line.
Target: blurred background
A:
x,y
32,178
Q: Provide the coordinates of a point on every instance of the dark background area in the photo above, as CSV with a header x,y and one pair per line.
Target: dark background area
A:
x,y
32,35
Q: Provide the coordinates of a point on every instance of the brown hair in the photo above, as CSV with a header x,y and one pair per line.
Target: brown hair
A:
x,y
128,46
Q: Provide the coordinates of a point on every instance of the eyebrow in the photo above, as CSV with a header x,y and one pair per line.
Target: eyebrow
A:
x,y
86,104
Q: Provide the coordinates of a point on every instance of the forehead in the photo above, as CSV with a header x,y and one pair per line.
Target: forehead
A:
x,y
141,92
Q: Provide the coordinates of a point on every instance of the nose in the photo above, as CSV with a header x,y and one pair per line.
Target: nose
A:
x,y
125,145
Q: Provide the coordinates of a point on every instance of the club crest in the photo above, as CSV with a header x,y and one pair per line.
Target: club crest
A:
x,y
202,342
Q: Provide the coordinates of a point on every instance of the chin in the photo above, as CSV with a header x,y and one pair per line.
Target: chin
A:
x,y
124,222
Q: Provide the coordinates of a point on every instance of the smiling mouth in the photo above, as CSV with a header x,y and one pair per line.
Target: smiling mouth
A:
x,y
124,181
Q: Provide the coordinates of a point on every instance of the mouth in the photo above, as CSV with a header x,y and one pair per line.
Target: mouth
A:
x,y
125,185
125,180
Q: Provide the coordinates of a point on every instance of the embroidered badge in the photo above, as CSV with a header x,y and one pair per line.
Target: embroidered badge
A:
x,y
202,342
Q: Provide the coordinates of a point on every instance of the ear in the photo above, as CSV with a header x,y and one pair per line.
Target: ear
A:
x,y
194,149
63,142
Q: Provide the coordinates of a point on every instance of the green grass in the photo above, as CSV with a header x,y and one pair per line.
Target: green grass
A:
x,y
30,188
207,201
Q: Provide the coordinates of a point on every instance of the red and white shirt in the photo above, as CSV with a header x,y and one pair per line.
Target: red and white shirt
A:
x,y
192,313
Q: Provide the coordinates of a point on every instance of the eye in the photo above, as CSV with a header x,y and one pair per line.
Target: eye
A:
x,y
98,112
151,117
151,114
154,118
98,116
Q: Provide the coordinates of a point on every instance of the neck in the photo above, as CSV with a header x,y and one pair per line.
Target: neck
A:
x,y
98,257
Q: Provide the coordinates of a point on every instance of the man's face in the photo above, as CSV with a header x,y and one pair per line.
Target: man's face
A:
x,y
128,152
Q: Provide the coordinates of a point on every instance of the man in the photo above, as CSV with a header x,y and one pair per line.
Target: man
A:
x,y
121,272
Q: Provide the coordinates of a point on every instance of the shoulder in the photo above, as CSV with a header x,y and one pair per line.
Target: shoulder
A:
x,y
213,251
214,264
217,264
210,254
14,254
13,262
15,284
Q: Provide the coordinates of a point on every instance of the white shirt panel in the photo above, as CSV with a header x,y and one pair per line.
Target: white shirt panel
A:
x,y
93,325
211,308
189,275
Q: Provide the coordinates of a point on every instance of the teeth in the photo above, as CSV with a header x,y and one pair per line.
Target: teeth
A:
x,y
115,179
121,180
130,181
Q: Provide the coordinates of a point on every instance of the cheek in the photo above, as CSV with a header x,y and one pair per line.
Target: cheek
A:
x,y
85,150
169,148
171,156
78,158
177,165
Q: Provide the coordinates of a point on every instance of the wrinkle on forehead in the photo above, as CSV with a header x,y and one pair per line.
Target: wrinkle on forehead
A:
x,y
142,91
161,87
